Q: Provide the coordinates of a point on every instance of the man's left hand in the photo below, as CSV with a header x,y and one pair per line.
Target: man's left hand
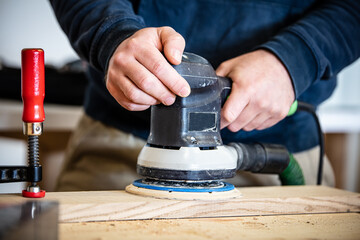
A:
x,y
261,94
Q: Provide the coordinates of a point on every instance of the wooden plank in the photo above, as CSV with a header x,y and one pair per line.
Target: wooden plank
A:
x,y
314,226
119,205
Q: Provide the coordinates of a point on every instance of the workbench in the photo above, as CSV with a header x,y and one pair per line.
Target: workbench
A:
x,y
293,212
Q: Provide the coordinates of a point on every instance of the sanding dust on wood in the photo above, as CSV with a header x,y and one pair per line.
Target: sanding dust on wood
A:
x,y
207,196
120,205
307,226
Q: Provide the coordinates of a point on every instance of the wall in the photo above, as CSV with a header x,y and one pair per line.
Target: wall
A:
x,y
31,24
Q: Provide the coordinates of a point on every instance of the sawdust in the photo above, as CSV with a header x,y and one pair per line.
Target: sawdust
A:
x,y
320,226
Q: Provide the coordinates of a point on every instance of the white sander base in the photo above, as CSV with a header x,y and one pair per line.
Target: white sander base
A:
x,y
188,158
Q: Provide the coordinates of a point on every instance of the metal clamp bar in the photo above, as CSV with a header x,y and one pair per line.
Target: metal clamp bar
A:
x,y
20,174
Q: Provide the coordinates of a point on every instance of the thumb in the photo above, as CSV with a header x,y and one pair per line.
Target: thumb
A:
x,y
173,44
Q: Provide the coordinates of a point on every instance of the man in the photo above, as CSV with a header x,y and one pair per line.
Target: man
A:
x,y
274,51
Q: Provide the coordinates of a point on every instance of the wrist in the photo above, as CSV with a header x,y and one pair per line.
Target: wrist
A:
x,y
281,69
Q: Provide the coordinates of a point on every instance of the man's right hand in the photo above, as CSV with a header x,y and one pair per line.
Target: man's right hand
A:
x,y
139,76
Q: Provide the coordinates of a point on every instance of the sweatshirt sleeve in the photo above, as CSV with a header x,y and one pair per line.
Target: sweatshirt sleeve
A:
x,y
96,27
319,45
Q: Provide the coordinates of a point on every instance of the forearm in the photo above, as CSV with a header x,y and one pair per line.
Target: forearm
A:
x,y
319,45
96,28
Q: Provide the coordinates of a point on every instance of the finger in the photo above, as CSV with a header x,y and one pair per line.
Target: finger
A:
x,y
134,94
268,123
155,62
223,69
256,122
233,107
148,83
127,104
173,44
117,81
275,114
244,118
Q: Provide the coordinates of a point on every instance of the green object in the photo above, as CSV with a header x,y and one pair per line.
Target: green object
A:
x,y
293,174
293,108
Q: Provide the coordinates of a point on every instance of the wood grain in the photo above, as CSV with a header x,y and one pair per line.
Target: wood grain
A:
x,y
260,201
307,226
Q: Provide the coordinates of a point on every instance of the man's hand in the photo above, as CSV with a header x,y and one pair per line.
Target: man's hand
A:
x,y
139,76
261,94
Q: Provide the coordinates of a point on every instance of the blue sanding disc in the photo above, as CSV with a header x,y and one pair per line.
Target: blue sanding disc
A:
x,y
224,187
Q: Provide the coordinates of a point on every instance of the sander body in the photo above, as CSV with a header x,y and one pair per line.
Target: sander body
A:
x,y
184,150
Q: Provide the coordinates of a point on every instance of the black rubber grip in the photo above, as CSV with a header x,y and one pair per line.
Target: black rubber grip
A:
x,y
261,158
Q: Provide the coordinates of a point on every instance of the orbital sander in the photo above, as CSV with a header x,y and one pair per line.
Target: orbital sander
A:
x,y
185,157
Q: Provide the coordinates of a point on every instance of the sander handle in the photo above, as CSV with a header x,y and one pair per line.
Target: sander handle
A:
x,y
225,86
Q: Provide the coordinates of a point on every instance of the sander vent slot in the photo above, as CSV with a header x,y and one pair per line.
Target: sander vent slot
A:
x,y
208,148
163,147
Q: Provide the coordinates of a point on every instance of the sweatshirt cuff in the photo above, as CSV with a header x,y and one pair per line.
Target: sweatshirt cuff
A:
x,y
112,37
297,57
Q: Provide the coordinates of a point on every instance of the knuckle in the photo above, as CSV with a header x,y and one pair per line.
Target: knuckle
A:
x,y
120,59
130,106
277,113
167,28
222,65
133,94
229,116
248,128
260,128
110,74
178,38
133,43
164,95
152,101
251,125
157,67
109,86
262,105
175,85
233,128
145,83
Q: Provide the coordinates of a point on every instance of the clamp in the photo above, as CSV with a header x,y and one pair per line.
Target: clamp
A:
x,y
33,93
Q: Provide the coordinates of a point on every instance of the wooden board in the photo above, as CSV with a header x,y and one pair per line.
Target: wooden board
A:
x,y
259,201
314,226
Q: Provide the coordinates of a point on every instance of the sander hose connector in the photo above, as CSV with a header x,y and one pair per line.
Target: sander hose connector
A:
x,y
269,158
261,158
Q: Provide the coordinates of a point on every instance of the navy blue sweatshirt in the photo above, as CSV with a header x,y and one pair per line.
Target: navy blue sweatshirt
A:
x,y
313,39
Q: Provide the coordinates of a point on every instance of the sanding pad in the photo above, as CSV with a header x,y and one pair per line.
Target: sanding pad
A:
x,y
227,191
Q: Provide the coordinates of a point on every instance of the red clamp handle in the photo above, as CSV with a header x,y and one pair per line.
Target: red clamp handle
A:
x,y
33,85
